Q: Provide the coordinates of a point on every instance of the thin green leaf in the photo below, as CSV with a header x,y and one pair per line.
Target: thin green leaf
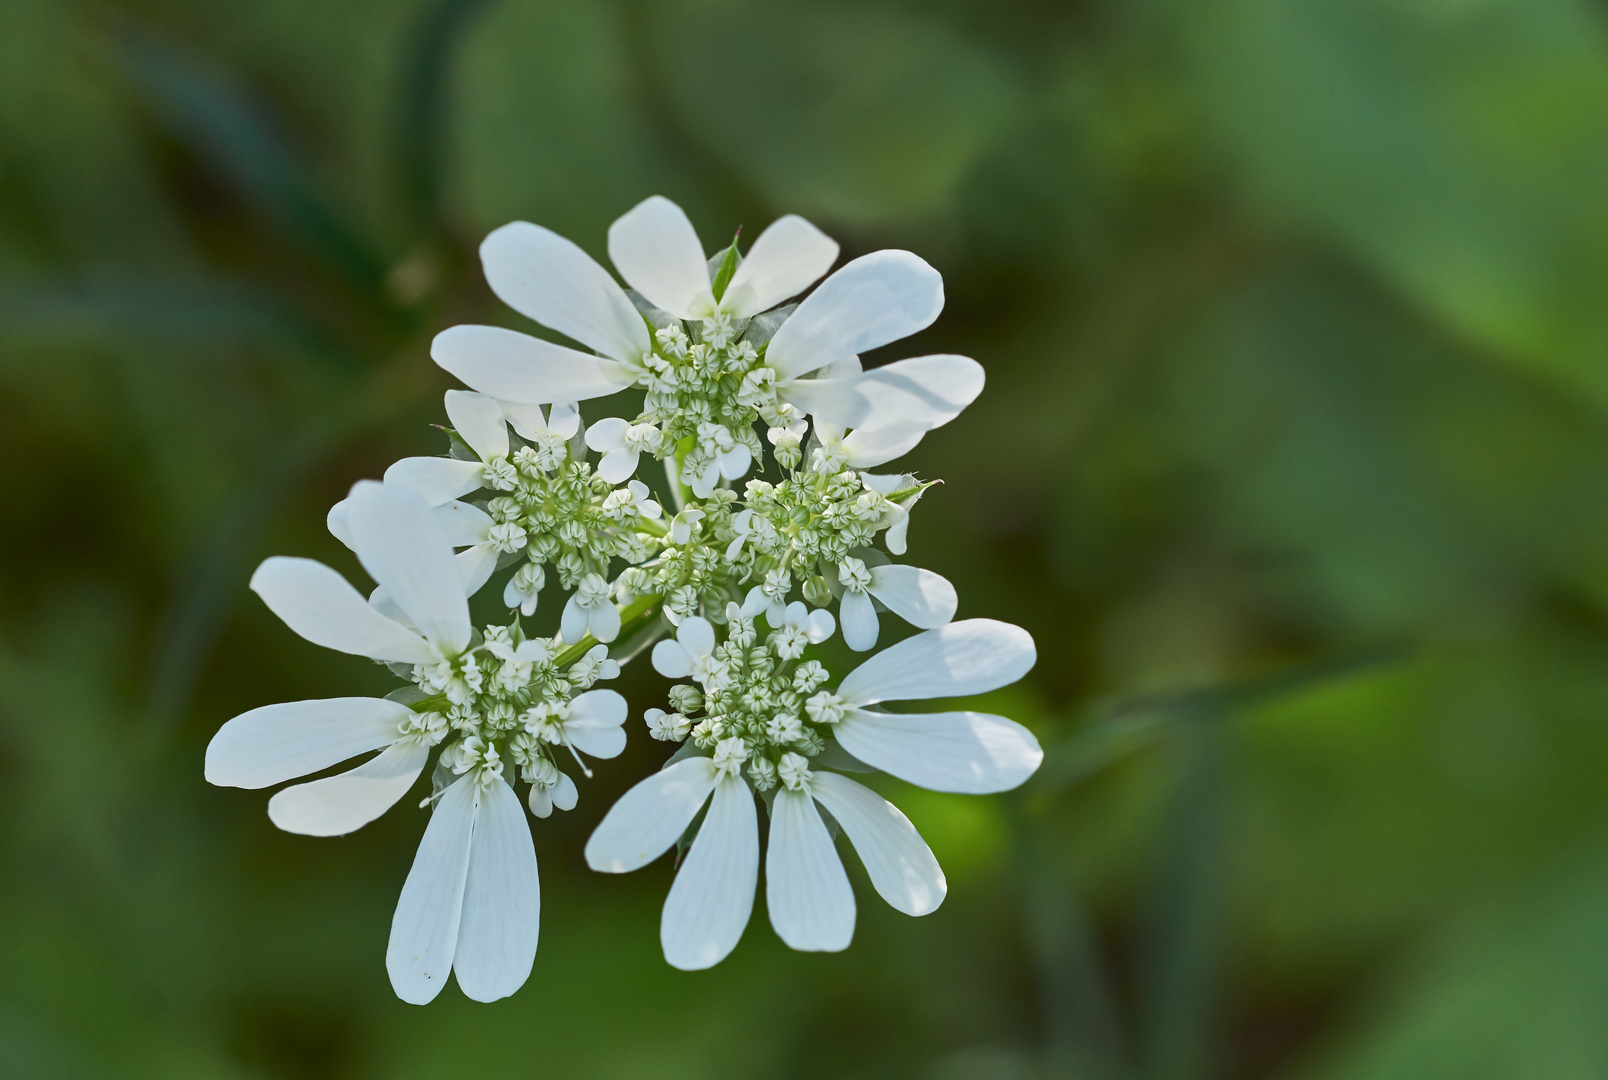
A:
x,y
728,267
223,128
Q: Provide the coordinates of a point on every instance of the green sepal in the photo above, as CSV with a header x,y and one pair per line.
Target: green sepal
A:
x,y
728,267
456,446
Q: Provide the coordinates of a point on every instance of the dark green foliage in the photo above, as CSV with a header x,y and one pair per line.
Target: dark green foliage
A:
x,y
1294,460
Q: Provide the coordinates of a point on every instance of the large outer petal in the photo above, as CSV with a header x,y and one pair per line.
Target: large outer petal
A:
x,y
784,261
869,447
968,752
516,367
548,278
437,479
475,567
656,250
898,860
424,930
479,421
404,548
875,299
811,904
922,392
594,726
919,597
502,900
463,523
967,657
280,742
713,894
651,816
337,805
322,607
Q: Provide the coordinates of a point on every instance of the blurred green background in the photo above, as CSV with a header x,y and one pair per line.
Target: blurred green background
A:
x,y
1294,459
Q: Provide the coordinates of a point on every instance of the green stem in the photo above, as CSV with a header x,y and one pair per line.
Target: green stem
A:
x,y
633,617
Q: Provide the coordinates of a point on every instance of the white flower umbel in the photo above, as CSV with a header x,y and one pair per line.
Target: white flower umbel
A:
x,y
471,901
547,507
766,727
712,352
728,365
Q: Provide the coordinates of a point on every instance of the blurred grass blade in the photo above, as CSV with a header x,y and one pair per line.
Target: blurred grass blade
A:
x,y
1179,968
1123,727
224,129
423,107
1083,1037
170,312
207,584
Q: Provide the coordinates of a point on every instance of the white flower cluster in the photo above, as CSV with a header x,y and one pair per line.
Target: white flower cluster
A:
x,y
745,579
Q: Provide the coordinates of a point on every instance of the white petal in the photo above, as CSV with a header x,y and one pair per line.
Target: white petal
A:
x,y
697,636
703,485
897,859
463,523
403,547
502,900
607,434
859,618
967,752
541,802
867,447
336,521
564,420
279,742
656,250
337,805
824,399
511,366
808,894
564,794
475,567
572,624
923,392
529,420
618,465
596,741
713,894
424,930
756,600
604,621
894,539
784,261
598,707
548,278
818,625
594,725
381,601
875,299
437,479
734,463
966,657
919,597
651,816
671,660
479,421
318,604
